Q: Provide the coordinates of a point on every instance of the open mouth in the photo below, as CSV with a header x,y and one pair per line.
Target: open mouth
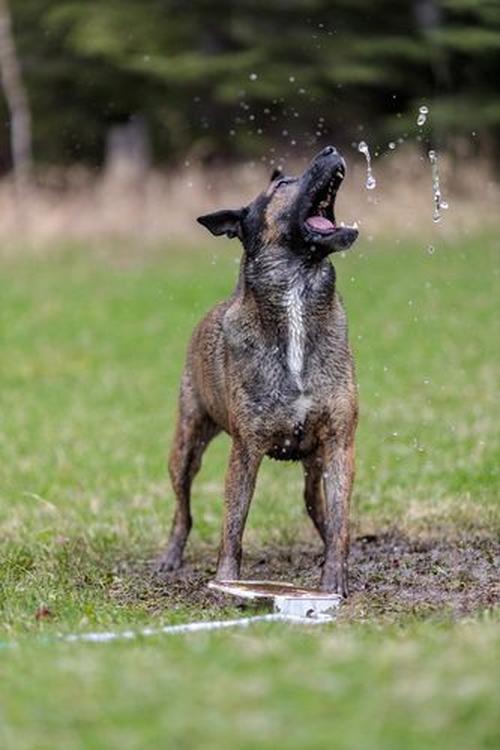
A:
x,y
314,220
320,217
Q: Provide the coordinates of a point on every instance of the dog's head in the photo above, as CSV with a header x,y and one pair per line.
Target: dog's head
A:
x,y
296,212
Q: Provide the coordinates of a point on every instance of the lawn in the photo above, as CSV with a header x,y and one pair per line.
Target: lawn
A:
x,y
91,350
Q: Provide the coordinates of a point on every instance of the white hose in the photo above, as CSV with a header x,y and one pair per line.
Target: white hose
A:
x,y
189,627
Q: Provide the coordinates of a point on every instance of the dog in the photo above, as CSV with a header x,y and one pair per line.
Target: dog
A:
x,y
272,367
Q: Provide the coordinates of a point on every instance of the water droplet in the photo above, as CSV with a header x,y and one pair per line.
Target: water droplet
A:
x,y
392,145
292,79
253,76
422,115
436,189
371,182
431,249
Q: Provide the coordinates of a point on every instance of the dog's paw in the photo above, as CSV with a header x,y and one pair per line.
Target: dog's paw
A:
x,y
169,562
335,582
227,570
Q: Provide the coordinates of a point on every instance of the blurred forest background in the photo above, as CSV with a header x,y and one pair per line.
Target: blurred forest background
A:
x,y
127,86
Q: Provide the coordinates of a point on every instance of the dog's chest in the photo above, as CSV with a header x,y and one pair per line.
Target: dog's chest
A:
x,y
291,432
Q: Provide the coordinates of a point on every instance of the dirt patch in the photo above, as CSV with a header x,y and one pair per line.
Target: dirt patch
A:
x,y
392,576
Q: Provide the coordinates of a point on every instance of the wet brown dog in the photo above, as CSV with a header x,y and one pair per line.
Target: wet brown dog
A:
x,y
272,367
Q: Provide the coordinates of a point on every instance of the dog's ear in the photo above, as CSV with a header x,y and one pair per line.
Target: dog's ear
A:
x,y
278,172
223,222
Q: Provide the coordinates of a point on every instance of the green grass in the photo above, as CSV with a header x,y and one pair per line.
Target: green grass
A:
x,y
423,687
91,350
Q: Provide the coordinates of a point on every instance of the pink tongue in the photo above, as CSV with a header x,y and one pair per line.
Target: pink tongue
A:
x,y
320,223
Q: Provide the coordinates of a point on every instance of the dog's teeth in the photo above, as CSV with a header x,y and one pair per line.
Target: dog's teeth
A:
x,y
342,224
355,225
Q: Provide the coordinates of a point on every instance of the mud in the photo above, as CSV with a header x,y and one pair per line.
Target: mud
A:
x,y
392,577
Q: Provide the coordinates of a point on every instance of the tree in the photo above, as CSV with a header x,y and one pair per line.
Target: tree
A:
x,y
17,102
230,79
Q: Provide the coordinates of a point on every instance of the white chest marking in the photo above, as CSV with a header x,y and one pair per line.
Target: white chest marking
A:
x,y
296,332
302,406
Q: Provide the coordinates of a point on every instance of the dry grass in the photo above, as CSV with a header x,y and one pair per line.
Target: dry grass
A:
x,y
152,207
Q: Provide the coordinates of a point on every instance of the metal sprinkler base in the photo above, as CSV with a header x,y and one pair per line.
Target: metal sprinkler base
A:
x,y
287,600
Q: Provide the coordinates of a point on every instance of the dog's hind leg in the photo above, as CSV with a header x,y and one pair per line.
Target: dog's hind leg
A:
x,y
313,493
195,429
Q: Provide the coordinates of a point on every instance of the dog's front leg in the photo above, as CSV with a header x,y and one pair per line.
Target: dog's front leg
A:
x,y
337,482
244,463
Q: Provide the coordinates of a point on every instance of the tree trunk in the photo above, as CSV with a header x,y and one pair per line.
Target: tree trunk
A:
x,y
17,102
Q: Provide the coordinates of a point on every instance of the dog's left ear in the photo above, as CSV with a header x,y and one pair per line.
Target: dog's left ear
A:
x,y
224,222
278,172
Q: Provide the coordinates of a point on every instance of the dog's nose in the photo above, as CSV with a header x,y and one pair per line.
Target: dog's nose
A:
x,y
335,158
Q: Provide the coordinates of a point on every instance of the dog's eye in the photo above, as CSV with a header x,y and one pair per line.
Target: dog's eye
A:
x,y
284,181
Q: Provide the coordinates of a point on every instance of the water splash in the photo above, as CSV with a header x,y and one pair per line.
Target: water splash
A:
x,y
422,115
439,203
371,182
